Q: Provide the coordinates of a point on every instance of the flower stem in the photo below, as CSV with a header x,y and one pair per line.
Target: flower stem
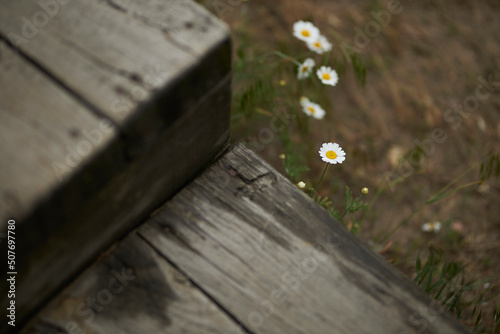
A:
x,y
321,178
286,57
326,58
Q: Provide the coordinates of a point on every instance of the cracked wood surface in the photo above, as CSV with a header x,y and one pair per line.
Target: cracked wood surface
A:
x,y
155,72
262,252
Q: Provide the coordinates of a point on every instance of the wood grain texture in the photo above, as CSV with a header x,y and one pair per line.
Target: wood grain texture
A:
x,y
31,143
42,128
132,289
278,263
123,61
116,55
241,249
123,202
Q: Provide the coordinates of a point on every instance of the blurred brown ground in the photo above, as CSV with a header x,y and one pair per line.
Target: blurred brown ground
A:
x,y
424,62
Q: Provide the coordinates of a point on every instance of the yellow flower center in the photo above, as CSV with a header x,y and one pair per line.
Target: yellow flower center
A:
x,y
306,33
304,69
311,109
317,44
331,155
326,76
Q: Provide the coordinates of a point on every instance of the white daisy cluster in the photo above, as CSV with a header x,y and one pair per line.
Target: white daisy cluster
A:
x,y
307,32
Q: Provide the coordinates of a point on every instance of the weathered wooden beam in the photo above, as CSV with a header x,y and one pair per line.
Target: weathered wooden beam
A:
x,y
279,263
42,127
151,77
270,258
118,56
133,289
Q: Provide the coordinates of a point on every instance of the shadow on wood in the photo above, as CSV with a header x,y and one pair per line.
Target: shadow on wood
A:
x,y
97,115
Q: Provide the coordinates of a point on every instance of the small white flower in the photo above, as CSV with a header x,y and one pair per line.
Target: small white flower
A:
x,y
305,31
332,153
301,184
431,227
320,45
306,68
313,109
327,75
304,100
365,190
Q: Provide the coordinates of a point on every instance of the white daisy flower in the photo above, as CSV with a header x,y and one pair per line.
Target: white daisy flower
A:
x,y
305,31
431,227
319,45
332,153
313,109
305,69
301,184
327,75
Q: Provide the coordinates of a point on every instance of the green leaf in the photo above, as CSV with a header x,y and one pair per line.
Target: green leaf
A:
x,y
418,263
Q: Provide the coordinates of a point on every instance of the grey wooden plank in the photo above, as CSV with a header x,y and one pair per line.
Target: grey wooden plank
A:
x,y
125,200
157,92
38,152
186,24
54,153
132,289
278,262
118,56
